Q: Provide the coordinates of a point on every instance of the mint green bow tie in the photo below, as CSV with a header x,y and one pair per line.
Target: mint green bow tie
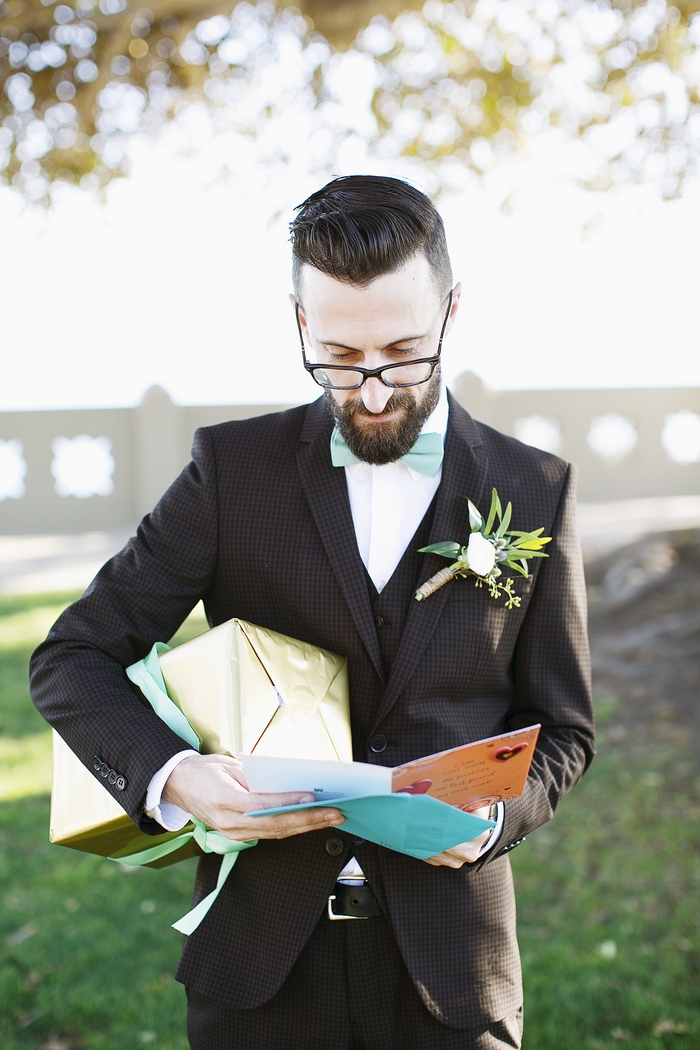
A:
x,y
425,456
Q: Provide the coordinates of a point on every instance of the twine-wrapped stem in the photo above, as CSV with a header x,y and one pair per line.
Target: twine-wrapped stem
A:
x,y
435,583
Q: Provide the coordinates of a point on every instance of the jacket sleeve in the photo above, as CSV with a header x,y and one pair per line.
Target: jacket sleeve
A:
x,y
552,680
140,596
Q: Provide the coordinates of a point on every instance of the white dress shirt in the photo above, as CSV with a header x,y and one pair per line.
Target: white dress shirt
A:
x,y
387,504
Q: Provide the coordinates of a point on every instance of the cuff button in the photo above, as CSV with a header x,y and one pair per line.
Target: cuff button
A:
x,y
120,783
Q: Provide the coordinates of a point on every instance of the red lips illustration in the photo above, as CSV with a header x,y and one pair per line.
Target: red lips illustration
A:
x,y
419,788
502,754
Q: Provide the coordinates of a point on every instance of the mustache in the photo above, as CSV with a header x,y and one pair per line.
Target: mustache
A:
x,y
356,406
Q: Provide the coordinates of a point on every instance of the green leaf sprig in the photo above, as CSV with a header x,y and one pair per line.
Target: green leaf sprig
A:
x,y
488,549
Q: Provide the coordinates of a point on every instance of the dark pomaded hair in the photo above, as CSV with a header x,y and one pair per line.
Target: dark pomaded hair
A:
x,y
360,227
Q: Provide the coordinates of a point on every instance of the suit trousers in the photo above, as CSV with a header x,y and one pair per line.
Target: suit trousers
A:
x,y
348,990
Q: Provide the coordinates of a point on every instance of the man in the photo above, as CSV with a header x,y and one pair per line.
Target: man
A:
x,y
310,523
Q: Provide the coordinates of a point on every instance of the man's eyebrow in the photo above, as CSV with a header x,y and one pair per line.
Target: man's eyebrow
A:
x,y
403,339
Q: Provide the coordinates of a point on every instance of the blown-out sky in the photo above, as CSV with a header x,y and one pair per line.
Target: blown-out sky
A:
x,y
180,277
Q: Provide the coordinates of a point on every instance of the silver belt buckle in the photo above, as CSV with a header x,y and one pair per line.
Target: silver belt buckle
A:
x,y
338,918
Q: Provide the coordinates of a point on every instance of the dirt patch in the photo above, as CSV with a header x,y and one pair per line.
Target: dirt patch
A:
x,y
644,602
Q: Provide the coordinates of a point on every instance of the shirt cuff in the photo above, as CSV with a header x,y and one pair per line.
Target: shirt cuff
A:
x,y
167,814
495,831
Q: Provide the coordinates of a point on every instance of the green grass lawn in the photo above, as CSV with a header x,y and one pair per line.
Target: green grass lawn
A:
x,y
607,894
607,907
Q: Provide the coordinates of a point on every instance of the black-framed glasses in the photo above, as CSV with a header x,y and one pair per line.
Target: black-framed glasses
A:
x,y
351,377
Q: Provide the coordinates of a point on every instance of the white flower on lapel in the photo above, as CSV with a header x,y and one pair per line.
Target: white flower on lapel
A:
x,y
481,554
490,541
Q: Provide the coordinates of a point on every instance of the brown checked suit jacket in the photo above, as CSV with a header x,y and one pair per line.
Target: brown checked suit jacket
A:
x,y
259,526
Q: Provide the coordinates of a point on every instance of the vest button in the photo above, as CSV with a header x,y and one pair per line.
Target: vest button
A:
x,y
379,621
334,847
378,743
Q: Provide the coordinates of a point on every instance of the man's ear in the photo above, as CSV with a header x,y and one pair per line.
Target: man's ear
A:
x,y
302,319
456,297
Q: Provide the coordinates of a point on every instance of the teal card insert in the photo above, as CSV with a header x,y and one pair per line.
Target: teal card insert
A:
x,y
418,825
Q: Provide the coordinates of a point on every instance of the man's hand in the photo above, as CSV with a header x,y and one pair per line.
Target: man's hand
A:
x,y
213,788
465,852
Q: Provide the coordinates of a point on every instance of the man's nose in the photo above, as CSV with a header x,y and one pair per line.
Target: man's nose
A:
x,y
375,395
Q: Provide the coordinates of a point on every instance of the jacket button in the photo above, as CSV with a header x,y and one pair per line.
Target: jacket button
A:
x,y
104,770
379,621
112,777
96,763
334,847
378,743
120,783
358,841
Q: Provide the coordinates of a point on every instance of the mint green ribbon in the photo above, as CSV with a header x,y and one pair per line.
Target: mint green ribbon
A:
x,y
426,455
147,675
209,842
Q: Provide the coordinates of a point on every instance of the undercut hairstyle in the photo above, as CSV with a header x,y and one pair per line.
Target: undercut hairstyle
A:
x,y
360,227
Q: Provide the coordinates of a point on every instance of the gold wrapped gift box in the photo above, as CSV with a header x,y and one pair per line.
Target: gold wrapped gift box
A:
x,y
244,690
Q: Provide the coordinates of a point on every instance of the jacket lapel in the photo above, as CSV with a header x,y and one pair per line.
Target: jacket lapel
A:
x,y
326,493
464,473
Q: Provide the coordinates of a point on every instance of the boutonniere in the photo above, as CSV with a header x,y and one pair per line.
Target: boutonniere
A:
x,y
487,550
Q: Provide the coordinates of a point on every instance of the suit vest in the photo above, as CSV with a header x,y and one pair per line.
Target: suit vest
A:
x,y
391,607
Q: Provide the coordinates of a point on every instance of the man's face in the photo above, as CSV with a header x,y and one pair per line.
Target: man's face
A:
x,y
395,318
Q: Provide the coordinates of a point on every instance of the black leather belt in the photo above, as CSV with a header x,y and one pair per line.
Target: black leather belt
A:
x,y
352,902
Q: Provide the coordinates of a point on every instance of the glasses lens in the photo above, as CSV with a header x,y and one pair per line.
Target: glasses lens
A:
x,y
337,378
392,375
407,375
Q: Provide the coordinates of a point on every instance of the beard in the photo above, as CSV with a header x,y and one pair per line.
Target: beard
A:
x,y
380,443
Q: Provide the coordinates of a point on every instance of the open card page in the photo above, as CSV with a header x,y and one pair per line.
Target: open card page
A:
x,y
474,775
326,780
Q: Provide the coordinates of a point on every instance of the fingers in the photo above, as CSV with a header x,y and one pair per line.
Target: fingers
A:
x,y
482,812
280,825
250,802
464,853
445,860
211,788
